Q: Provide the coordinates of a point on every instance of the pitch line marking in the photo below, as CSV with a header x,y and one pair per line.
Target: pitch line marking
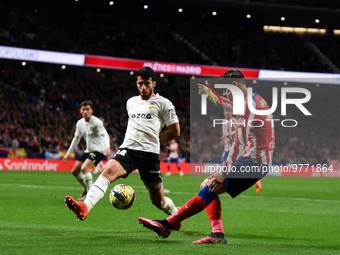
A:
x,y
177,193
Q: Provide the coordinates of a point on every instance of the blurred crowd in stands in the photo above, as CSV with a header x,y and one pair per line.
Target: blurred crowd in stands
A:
x,y
40,107
39,104
196,40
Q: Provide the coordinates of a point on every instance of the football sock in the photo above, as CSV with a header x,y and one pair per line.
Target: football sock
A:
x,y
96,191
214,211
88,180
81,179
169,206
193,206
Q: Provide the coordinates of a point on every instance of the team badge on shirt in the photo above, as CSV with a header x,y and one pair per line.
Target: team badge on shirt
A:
x,y
151,106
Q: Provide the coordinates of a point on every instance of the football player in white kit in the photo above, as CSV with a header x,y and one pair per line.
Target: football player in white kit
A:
x,y
148,113
97,146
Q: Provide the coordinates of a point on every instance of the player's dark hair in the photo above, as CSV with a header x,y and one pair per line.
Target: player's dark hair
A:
x,y
87,102
231,75
146,72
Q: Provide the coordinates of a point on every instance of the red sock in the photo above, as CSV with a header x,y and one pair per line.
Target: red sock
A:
x,y
190,208
214,211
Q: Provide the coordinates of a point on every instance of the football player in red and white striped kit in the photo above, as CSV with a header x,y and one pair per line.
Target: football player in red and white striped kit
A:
x,y
228,136
247,162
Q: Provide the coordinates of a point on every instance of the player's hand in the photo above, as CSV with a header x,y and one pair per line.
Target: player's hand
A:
x,y
215,183
107,151
200,91
202,86
65,158
216,179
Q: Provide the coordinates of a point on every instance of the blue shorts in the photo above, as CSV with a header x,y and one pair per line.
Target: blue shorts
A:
x,y
224,156
173,160
244,174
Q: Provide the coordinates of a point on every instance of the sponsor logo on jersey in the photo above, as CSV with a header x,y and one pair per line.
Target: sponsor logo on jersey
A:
x,y
140,116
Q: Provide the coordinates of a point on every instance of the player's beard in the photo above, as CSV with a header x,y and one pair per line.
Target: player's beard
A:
x,y
145,96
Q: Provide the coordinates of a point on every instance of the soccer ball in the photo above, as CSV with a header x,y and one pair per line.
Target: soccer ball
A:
x,y
122,196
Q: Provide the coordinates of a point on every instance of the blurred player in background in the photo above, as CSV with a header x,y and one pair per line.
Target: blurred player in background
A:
x,y
148,113
97,146
253,148
173,157
100,167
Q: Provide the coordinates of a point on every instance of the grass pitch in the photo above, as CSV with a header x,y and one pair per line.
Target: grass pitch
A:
x,y
289,216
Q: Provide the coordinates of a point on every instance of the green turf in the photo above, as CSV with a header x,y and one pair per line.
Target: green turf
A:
x,y
289,216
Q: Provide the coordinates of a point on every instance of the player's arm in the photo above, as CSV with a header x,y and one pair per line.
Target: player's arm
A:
x,y
171,121
224,102
172,132
73,145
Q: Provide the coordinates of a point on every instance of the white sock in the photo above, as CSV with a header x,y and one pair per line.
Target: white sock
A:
x,y
169,206
96,191
88,180
81,179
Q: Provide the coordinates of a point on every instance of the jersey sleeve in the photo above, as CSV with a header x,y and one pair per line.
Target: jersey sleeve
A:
x,y
102,132
75,139
169,113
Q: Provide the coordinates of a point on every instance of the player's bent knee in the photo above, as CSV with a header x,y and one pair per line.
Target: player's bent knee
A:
x,y
113,170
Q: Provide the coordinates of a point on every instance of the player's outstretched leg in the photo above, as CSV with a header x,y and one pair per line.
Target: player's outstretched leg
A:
x,y
161,227
177,226
213,238
78,207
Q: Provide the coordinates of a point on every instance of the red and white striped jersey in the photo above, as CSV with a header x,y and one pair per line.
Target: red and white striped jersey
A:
x,y
228,131
255,135
256,143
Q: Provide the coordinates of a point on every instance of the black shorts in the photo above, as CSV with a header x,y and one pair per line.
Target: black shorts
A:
x,y
94,156
147,164
241,178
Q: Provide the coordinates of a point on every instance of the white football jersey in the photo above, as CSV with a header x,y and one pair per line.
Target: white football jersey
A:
x,y
146,120
95,134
